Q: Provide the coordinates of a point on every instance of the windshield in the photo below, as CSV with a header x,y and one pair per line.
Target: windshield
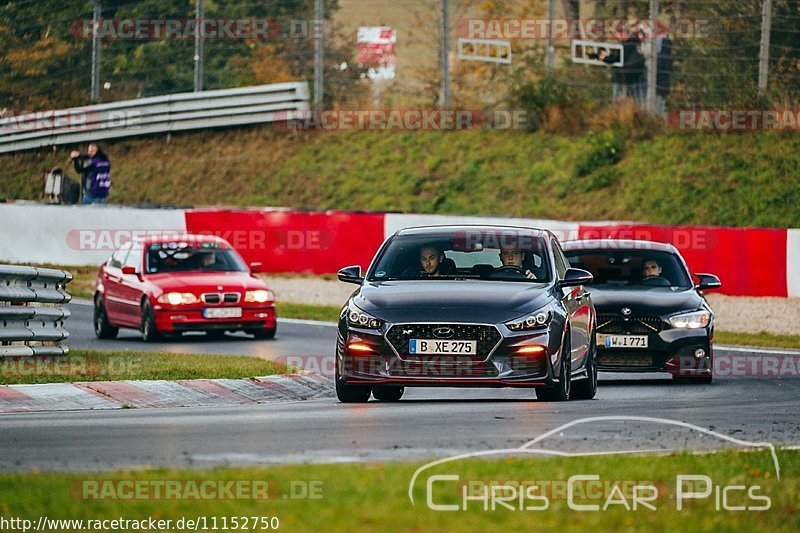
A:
x,y
181,257
631,267
501,255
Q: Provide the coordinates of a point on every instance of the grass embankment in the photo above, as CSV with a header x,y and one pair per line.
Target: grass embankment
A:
x,y
763,339
91,365
673,178
358,497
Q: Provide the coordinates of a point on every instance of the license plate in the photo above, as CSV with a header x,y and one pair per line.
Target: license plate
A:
x,y
435,346
623,341
223,312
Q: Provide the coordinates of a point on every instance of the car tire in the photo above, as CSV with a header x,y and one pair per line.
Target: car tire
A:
x,y
148,328
264,333
351,393
560,392
102,329
586,389
386,393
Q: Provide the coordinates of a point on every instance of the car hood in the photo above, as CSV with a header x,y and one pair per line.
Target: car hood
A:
x,y
205,281
461,301
644,300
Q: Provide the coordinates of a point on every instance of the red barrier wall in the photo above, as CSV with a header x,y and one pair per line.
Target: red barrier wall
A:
x,y
284,241
749,262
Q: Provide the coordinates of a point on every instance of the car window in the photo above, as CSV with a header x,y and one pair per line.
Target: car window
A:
x,y
560,260
465,254
118,257
626,267
180,257
134,258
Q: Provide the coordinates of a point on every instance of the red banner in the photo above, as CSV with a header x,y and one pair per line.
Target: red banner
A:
x,y
748,261
283,241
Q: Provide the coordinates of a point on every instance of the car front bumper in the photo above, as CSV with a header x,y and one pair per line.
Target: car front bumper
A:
x,y
670,350
378,362
176,320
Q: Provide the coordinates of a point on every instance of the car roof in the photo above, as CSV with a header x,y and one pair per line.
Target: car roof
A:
x,y
189,238
433,230
617,244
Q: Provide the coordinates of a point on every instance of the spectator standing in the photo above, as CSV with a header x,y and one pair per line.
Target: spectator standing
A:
x,y
95,168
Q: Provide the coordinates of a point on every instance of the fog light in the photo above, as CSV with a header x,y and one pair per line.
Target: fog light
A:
x,y
699,353
531,351
261,315
359,348
177,317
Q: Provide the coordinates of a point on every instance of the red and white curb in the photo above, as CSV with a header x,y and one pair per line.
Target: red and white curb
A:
x,y
162,393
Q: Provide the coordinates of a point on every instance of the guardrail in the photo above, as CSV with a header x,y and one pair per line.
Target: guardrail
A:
x,y
31,316
159,114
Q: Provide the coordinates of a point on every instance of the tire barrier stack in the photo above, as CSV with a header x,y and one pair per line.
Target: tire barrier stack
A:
x,y
31,313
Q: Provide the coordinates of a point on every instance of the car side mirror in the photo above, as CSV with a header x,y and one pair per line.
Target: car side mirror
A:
x,y
707,281
127,269
576,276
256,267
351,274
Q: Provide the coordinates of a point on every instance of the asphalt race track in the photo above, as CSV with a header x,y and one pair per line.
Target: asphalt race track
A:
x,y
427,423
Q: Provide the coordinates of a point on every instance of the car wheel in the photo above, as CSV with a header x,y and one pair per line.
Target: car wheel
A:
x,y
264,333
149,331
586,389
351,393
560,391
387,394
102,329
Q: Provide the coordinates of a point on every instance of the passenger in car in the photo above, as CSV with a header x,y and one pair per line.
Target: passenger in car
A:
x,y
515,258
433,263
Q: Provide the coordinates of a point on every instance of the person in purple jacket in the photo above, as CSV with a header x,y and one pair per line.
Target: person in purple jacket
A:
x,y
96,170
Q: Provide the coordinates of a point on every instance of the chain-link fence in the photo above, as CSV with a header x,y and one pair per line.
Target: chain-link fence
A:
x,y
709,53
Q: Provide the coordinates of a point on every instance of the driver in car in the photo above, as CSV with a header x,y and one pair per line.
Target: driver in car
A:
x,y
651,269
431,263
430,259
514,258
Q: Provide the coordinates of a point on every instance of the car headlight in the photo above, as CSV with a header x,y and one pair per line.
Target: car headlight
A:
x,y
259,296
358,318
536,320
693,320
177,298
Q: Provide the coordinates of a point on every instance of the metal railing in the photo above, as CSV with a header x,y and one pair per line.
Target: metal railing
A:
x,y
159,114
31,316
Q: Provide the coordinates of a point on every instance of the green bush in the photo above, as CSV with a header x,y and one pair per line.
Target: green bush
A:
x,y
536,97
605,149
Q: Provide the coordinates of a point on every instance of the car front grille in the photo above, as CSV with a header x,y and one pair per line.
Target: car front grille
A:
x,y
487,336
214,298
639,325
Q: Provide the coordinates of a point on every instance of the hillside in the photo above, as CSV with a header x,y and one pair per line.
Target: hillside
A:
x,y
673,178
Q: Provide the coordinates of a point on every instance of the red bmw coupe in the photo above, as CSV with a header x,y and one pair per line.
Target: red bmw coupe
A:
x,y
168,285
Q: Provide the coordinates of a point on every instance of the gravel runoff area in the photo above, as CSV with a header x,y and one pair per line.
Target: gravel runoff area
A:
x,y
742,314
